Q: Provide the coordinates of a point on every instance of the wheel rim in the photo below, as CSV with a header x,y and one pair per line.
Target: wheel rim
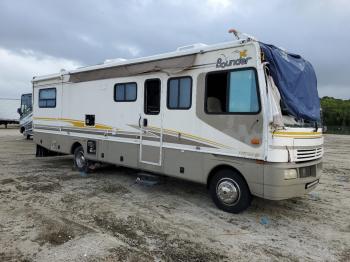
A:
x,y
80,159
228,191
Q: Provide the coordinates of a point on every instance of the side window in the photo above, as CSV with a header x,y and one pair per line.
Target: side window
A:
x,y
179,93
47,98
234,92
125,92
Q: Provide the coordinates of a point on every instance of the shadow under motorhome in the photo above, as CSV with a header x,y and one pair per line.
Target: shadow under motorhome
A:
x,y
208,114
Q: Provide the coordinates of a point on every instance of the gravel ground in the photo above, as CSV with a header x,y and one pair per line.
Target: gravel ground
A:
x,y
50,212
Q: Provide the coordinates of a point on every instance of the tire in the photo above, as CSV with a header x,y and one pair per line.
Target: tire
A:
x,y
229,191
80,162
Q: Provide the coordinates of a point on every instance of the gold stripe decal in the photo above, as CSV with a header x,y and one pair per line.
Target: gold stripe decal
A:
x,y
75,123
81,124
297,134
189,136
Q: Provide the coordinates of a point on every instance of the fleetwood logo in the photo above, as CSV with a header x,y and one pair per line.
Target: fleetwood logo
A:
x,y
223,61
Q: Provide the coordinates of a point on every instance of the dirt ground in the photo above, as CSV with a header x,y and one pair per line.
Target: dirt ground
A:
x,y
49,212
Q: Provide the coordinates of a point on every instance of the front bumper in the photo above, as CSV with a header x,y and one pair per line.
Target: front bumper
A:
x,y
277,188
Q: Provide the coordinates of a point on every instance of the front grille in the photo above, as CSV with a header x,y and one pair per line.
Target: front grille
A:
x,y
309,154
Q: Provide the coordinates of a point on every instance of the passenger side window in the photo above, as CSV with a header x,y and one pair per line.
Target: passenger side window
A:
x,y
125,92
232,92
179,93
47,98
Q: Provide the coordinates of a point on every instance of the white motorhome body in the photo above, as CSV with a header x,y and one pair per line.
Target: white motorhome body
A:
x,y
178,114
8,111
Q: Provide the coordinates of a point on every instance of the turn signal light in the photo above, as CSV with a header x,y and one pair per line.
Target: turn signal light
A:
x,y
255,141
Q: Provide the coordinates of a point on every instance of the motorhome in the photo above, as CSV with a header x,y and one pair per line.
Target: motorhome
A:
x,y
221,115
26,115
8,111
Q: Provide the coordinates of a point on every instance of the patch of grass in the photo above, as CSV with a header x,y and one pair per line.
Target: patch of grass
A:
x,y
69,198
6,181
138,234
14,256
127,254
65,177
114,188
345,255
45,187
55,234
122,227
185,250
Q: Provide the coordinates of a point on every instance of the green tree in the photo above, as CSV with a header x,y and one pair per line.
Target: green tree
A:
x,y
336,113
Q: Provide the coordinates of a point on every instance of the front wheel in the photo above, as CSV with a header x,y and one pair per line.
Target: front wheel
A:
x,y
80,162
229,191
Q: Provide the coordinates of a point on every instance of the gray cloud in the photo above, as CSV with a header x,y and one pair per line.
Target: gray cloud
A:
x,y
88,32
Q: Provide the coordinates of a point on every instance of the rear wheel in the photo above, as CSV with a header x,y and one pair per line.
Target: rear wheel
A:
x,y
80,162
229,191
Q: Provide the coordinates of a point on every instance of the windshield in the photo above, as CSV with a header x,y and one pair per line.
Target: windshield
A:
x,y
280,114
26,104
291,121
296,81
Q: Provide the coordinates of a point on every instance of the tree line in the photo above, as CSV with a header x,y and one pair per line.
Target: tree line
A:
x,y
336,113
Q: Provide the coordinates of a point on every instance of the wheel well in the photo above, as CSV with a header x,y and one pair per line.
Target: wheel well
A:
x,y
221,167
74,146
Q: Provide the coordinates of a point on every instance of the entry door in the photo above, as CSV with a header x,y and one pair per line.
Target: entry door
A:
x,y
151,128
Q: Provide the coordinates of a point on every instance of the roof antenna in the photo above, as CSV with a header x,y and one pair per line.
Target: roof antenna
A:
x,y
240,35
235,32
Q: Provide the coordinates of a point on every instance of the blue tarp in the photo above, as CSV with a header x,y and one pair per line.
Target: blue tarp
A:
x,y
296,81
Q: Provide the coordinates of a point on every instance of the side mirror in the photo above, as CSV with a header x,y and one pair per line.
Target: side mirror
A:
x,y
19,111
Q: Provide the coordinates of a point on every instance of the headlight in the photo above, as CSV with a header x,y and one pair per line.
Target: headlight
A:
x,y
290,174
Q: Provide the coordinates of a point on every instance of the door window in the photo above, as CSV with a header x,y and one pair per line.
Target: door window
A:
x,y
152,97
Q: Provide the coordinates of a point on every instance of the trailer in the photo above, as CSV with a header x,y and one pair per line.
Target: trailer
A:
x,y
26,115
219,115
8,111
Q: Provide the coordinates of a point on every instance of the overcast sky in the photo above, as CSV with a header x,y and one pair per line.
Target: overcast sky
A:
x,y
41,37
